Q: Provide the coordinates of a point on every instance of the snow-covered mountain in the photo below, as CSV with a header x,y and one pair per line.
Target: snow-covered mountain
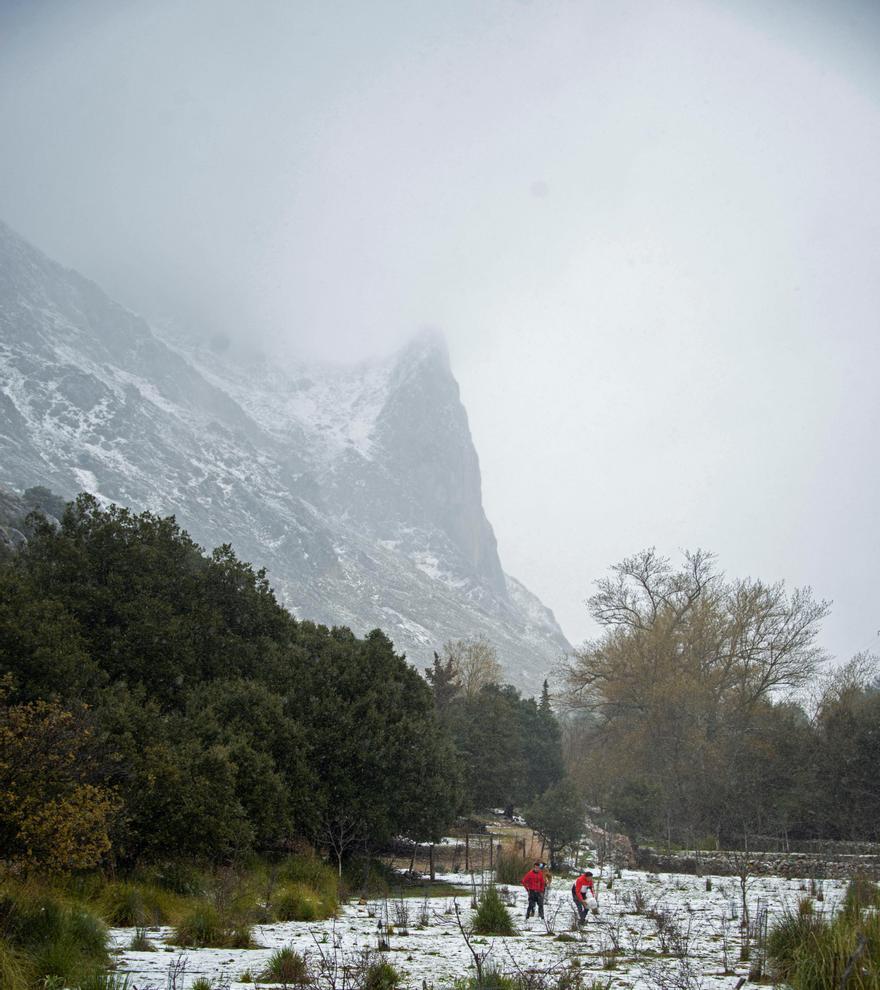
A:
x,y
357,488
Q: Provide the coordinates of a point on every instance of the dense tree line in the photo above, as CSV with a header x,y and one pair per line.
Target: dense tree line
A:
x,y
684,720
199,717
158,701
509,747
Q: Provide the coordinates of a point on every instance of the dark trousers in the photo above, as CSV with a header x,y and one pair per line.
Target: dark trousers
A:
x,y
536,899
579,904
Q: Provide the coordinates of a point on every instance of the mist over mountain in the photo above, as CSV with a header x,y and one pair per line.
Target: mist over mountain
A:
x,y
358,488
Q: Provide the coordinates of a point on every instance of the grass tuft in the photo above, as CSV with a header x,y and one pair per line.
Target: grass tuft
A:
x,y
809,952
381,975
14,968
510,867
299,902
286,966
46,939
861,893
140,942
204,927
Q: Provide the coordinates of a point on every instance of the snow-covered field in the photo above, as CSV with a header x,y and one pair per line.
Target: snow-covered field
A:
x,y
703,924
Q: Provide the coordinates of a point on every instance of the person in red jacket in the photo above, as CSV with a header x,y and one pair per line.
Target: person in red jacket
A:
x,y
535,883
583,890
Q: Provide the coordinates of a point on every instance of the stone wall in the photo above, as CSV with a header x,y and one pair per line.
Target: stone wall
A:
x,y
819,866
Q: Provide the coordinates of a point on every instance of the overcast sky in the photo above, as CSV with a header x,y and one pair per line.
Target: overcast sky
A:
x,y
649,230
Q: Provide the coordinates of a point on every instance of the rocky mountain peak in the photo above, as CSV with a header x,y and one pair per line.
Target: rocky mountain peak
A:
x,y
358,488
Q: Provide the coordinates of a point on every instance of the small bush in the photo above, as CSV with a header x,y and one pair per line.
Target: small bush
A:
x,y
807,952
200,928
47,939
510,867
87,932
493,979
492,917
314,874
299,902
381,976
201,983
786,940
134,905
203,927
124,906
140,942
286,966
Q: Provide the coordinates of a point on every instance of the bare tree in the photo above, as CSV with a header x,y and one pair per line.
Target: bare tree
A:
x,y
475,662
687,662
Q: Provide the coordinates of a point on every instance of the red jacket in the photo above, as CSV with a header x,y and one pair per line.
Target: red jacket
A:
x,y
535,880
581,883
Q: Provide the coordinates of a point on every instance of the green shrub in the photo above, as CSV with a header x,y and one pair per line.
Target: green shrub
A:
x,y
123,905
492,917
140,942
47,938
808,952
381,975
200,927
286,966
493,979
787,938
316,875
201,983
87,932
510,867
298,902
203,927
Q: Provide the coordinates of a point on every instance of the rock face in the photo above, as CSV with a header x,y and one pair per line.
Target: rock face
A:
x,y
357,488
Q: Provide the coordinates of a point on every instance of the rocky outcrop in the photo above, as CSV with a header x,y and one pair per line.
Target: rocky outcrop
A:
x,y
358,488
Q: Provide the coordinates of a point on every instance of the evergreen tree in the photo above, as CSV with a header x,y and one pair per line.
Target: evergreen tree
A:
x,y
558,816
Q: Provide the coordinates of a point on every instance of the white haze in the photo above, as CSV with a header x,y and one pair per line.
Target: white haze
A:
x,y
649,231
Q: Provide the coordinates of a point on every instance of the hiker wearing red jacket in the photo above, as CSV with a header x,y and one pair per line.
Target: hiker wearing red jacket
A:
x,y
583,890
535,883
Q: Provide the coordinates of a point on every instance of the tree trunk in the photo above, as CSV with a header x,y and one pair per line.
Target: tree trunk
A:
x,y
431,862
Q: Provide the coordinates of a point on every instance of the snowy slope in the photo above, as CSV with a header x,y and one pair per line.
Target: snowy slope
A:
x,y
358,488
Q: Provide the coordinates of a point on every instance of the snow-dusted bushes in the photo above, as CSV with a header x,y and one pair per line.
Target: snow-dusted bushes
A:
x,y
492,917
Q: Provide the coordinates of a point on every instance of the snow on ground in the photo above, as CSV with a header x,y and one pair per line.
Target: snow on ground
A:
x,y
437,953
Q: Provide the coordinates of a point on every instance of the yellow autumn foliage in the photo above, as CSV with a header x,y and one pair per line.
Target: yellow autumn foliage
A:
x,y
54,812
